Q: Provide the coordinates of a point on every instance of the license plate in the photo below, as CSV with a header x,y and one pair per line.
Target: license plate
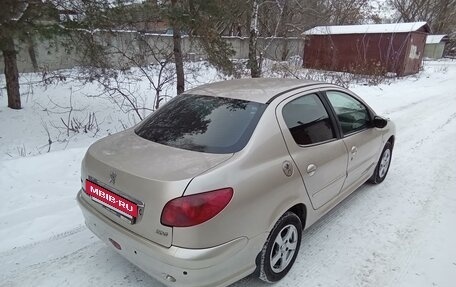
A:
x,y
112,200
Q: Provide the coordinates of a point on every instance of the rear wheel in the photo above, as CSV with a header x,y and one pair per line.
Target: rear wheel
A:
x,y
280,250
383,164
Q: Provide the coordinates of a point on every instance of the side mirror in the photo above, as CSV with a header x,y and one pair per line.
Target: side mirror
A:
x,y
379,122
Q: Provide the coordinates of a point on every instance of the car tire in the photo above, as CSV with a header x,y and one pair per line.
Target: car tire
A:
x,y
381,170
280,250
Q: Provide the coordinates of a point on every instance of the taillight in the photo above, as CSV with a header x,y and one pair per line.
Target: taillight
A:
x,y
195,209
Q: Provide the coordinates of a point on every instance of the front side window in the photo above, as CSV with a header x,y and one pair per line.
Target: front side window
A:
x,y
307,120
203,123
352,114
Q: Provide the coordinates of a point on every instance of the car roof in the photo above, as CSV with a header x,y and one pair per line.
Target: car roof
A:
x,y
262,90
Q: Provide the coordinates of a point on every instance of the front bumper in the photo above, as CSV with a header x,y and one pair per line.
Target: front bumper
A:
x,y
174,266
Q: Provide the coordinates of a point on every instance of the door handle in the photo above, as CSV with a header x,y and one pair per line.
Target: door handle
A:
x,y
311,169
354,150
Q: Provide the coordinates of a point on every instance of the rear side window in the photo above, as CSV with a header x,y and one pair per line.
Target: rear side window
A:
x,y
307,120
203,123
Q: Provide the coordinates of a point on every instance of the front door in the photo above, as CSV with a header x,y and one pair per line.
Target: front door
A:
x,y
361,139
311,139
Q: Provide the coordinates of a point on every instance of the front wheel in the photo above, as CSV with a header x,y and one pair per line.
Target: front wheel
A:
x,y
280,250
383,164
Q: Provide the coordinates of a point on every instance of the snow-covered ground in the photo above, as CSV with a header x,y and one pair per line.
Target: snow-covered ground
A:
x,y
399,233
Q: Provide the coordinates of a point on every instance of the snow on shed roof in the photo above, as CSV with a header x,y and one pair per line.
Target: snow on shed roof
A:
x,y
435,39
367,29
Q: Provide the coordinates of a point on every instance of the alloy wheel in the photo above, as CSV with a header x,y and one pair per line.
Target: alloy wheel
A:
x,y
284,248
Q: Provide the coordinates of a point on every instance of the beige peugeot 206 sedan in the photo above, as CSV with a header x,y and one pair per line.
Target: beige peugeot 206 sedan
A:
x,y
221,181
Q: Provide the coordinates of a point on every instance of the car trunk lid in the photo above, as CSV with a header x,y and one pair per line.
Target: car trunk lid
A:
x,y
146,173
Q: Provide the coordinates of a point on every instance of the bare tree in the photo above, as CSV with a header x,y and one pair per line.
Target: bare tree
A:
x,y
130,54
440,14
177,49
253,64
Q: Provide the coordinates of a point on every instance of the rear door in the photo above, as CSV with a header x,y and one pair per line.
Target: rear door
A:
x,y
314,145
361,139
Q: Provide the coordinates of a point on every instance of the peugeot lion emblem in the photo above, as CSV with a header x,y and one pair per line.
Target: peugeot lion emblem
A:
x,y
112,177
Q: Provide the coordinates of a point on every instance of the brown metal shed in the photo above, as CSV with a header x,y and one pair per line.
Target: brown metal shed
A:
x,y
367,49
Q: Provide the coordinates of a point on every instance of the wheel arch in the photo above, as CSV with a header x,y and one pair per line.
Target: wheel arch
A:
x,y
391,140
300,210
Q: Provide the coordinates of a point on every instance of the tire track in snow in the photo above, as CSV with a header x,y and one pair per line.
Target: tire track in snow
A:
x,y
416,236
56,237
94,264
20,259
407,106
378,259
420,142
410,238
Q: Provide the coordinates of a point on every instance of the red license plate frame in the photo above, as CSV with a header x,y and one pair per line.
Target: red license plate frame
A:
x,y
112,200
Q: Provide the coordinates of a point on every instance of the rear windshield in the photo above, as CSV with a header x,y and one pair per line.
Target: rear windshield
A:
x,y
203,123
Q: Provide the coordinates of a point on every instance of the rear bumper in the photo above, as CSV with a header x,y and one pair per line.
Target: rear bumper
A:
x,y
217,266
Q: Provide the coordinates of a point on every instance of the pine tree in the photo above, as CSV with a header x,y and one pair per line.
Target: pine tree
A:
x,y
19,21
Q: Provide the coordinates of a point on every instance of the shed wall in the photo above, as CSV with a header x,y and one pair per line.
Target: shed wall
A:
x,y
434,51
415,52
362,53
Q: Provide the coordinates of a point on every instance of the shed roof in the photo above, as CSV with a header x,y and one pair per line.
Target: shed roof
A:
x,y
368,29
435,39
